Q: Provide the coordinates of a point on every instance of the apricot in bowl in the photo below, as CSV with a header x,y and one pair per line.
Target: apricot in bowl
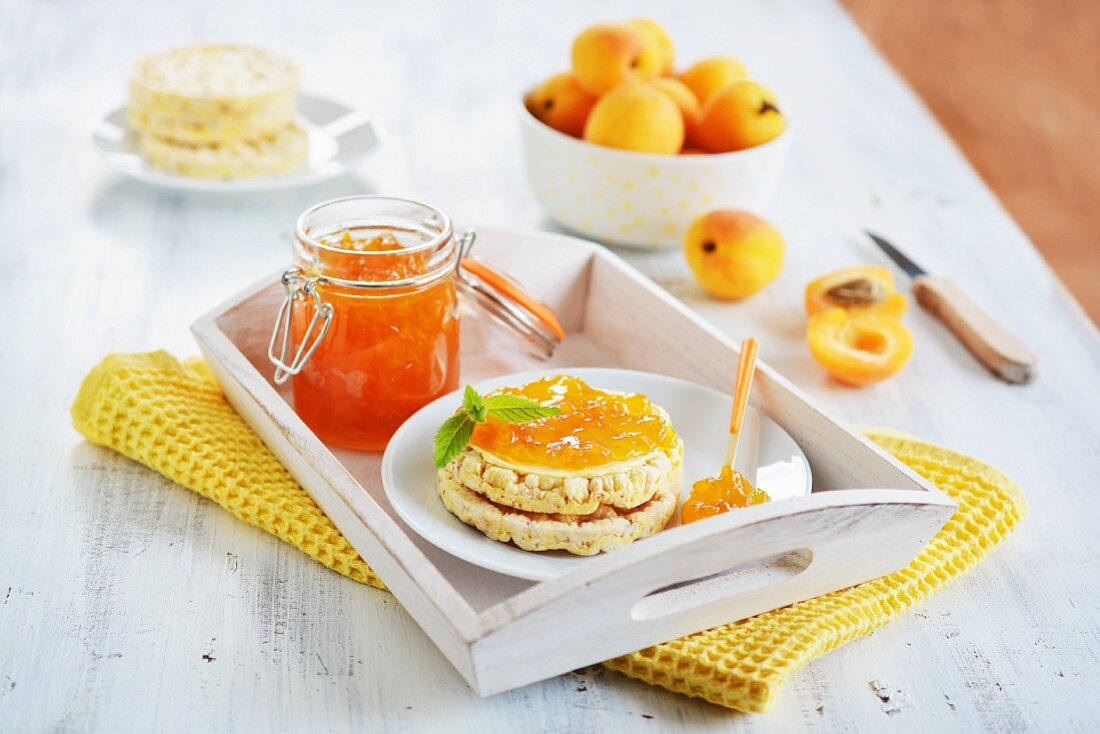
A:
x,y
642,199
623,149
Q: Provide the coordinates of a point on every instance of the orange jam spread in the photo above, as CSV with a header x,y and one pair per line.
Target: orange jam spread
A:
x,y
372,267
594,427
711,496
388,351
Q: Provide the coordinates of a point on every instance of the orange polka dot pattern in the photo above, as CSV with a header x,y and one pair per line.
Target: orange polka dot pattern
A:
x,y
173,418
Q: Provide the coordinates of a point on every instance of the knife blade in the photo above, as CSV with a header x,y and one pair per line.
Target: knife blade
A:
x,y
900,258
987,339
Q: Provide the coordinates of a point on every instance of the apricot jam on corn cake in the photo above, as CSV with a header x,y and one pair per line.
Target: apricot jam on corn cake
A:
x,y
602,472
594,428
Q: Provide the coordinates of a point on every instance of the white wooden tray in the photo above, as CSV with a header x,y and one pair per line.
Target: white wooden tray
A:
x,y
867,516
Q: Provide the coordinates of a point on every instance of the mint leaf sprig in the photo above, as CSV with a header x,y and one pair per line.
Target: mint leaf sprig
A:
x,y
454,434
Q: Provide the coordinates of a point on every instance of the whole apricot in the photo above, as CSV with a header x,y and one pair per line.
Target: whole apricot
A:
x,y
742,115
662,40
678,92
562,103
733,254
608,54
636,116
710,76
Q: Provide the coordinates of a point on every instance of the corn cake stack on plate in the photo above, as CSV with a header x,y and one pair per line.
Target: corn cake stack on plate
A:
x,y
217,111
602,473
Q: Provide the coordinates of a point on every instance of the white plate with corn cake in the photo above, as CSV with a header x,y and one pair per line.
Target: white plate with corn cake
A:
x,y
431,502
228,118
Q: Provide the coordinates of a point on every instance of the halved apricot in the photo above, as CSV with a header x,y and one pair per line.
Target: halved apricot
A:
x,y
859,347
864,288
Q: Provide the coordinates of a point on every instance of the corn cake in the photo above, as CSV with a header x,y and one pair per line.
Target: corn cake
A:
x,y
605,529
280,153
622,485
209,81
212,130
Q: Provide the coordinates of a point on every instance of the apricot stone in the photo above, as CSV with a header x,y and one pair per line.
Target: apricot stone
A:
x,y
742,115
636,116
710,76
562,103
608,54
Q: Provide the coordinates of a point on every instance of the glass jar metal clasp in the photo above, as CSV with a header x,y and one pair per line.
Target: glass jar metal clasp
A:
x,y
298,288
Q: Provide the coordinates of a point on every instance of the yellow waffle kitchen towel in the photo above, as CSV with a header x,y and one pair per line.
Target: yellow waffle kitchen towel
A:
x,y
173,418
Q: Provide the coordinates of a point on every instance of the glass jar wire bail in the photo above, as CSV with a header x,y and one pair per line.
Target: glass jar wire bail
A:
x,y
298,288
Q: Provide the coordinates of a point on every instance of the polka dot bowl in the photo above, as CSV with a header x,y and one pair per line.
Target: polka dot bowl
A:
x,y
641,199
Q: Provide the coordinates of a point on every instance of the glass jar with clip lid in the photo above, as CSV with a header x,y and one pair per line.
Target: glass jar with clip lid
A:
x,y
370,326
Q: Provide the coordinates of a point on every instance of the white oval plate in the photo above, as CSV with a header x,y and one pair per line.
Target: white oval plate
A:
x,y
338,135
699,414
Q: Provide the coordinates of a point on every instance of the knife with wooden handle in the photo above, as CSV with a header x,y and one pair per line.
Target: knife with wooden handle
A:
x,y
987,339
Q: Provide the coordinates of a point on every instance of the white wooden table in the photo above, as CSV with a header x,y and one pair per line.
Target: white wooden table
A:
x,y
129,604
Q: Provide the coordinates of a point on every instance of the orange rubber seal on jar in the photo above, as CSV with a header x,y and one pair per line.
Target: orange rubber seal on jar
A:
x,y
511,290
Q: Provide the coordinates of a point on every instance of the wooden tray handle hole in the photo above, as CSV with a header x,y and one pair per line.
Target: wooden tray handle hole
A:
x,y
733,581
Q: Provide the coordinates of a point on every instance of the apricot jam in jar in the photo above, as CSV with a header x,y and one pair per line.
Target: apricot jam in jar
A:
x,y
372,308
369,328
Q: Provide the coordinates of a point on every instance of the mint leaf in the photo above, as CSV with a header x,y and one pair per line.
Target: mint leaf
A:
x,y
456,431
451,438
514,409
474,405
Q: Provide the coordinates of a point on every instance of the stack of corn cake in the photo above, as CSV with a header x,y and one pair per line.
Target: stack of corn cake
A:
x,y
217,111
542,508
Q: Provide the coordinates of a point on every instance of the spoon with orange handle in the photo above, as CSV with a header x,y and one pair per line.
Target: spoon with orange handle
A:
x,y
714,495
746,368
